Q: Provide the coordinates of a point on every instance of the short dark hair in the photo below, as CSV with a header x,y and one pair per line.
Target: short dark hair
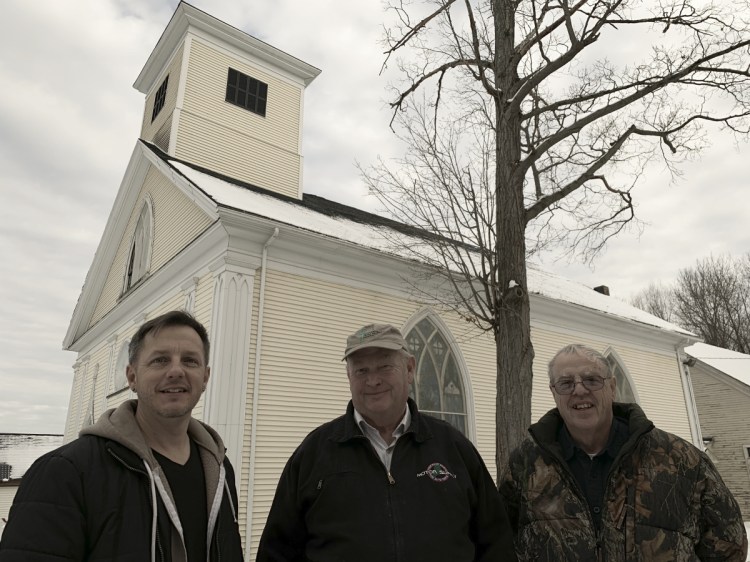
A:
x,y
173,318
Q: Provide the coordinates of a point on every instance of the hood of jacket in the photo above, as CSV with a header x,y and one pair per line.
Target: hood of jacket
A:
x,y
119,425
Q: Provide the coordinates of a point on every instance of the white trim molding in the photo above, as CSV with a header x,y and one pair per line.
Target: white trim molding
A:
x,y
226,394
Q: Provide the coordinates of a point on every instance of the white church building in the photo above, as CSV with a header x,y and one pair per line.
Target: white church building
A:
x,y
211,216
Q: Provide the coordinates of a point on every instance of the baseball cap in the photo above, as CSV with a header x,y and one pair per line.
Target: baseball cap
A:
x,y
375,335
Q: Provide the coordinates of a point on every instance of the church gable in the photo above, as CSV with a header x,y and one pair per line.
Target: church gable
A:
x,y
162,222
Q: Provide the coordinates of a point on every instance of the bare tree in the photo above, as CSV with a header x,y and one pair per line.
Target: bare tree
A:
x,y
657,299
712,299
527,124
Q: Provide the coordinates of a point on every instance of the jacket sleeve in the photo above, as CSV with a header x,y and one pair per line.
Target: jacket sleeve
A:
x,y
46,521
285,535
722,532
492,531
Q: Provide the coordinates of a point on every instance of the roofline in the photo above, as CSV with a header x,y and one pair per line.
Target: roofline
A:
x,y
324,206
186,17
553,311
309,201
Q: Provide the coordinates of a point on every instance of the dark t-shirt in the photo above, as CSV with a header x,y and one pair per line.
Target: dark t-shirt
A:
x,y
188,485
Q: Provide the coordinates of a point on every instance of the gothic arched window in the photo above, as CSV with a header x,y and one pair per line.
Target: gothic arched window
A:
x,y
625,387
438,387
139,257
119,376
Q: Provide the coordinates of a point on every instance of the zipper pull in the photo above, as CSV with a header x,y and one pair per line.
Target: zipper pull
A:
x,y
390,478
320,484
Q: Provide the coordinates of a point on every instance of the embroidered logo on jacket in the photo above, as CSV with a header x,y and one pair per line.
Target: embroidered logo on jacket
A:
x,y
437,472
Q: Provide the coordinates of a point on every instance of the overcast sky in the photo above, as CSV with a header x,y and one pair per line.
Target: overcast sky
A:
x,y
69,118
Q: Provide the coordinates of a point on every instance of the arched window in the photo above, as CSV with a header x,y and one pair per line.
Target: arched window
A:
x,y
438,387
119,378
139,258
90,419
626,391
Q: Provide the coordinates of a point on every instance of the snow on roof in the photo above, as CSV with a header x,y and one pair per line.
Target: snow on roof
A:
x,y
346,223
733,363
18,451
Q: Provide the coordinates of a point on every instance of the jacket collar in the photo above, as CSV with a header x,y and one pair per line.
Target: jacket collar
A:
x,y
349,429
119,425
545,431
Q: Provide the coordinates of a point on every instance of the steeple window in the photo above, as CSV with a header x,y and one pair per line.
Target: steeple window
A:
x,y
247,92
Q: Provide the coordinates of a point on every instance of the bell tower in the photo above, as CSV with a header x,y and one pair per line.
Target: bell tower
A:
x,y
221,99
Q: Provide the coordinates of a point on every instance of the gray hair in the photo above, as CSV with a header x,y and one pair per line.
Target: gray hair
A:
x,y
584,351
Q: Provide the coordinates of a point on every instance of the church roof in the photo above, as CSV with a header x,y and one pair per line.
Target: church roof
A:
x,y
370,230
732,363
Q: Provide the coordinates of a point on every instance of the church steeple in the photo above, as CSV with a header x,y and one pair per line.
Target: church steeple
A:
x,y
224,100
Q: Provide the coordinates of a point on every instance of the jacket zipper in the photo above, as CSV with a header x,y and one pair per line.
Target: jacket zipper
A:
x,y
143,473
391,482
627,448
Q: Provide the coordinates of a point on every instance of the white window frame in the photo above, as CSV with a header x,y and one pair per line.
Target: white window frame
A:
x,y
90,410
118,370
141,244
612,352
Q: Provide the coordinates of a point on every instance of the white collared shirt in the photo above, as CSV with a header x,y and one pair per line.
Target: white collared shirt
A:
x,y
383,449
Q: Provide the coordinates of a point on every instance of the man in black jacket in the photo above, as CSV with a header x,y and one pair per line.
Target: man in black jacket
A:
x,y
384,482
147,481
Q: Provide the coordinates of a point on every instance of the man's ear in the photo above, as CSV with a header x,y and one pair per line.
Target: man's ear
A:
x,y
206,377
130,375
411,367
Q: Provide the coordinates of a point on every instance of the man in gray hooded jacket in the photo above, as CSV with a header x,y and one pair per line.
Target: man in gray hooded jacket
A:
x,y
147,481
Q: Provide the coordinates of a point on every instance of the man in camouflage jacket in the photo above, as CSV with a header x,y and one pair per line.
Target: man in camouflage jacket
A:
x,y
660,497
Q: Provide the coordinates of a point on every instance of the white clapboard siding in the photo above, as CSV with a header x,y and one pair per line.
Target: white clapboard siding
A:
x,y
177,221
263,151
723,406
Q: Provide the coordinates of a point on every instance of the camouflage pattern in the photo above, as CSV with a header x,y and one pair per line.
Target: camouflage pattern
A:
x,y
664,501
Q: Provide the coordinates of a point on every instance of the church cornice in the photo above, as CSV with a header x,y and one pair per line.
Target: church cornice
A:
x,y
187,19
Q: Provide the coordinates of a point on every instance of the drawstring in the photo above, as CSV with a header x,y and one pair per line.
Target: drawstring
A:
x,y
213,515
153,511
229,497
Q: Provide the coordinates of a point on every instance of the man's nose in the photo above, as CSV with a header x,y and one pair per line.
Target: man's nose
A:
x,y
579,385
175,368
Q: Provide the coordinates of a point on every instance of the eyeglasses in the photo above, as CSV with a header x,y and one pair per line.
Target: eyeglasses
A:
x,y
567,386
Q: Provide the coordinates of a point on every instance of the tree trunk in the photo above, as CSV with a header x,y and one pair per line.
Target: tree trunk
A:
x,y
511,327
